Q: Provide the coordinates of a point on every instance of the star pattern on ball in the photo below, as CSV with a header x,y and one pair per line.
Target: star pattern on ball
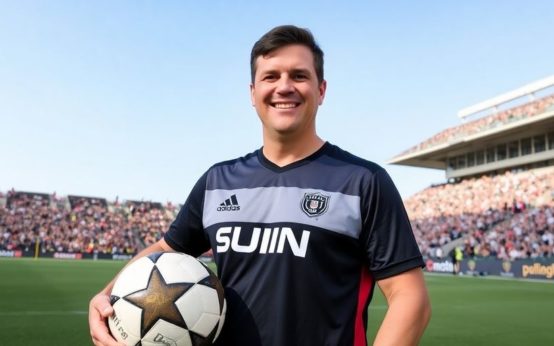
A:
x,y
157,301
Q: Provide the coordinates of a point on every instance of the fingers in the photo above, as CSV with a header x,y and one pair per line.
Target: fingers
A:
x,y
99,310
106,311
101,303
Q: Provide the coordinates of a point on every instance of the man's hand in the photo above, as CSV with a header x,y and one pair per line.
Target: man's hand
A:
x,y
99,310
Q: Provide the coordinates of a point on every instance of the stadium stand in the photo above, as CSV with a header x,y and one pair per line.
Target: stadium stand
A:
x,y
498,198
494,214
150,220
79,224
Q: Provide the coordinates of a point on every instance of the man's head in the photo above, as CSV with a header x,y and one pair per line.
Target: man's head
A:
x,y
287,83
285,35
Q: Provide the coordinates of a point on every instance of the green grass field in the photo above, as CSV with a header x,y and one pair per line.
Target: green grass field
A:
x,y
44,302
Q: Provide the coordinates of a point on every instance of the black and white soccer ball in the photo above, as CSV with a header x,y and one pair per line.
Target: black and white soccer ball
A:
x,y
167,298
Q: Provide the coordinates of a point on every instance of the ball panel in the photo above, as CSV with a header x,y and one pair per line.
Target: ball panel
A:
x,y
178,267
165,333
203,296
213,282
133,278
221,320
205,324
197,301
190,306
125,322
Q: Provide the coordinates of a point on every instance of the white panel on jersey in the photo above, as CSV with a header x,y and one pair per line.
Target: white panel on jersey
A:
x,y
284,204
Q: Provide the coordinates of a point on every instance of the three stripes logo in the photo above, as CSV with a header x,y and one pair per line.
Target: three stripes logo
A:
x,y
230,204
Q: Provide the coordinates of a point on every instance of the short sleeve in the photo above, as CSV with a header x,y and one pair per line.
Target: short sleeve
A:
x,y
186,233
387,237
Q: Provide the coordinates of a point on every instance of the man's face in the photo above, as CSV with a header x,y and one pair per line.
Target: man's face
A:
x,y
286,92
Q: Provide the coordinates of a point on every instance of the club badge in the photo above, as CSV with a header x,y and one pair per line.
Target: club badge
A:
x,y
315,204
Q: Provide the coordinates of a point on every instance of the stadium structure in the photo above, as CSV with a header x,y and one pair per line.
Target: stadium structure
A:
x,y
517,138
499,165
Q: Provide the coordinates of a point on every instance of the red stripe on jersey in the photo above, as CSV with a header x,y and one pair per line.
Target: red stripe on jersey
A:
x,y
364,292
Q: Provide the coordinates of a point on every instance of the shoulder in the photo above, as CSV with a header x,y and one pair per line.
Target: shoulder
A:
x,y
368,178
234,163
347,159
232,173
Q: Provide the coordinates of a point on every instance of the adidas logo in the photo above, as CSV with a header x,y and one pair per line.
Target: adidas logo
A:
x,y
230,204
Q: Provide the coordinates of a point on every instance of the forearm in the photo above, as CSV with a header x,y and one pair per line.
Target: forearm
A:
x,y
409,309
405,321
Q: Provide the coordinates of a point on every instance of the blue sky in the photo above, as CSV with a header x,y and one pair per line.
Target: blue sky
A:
x,y
137,99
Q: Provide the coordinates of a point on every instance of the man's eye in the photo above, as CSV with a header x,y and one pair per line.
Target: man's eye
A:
x,y
269,78
300,77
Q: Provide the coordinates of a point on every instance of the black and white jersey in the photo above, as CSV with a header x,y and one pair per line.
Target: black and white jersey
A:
x,y
298,248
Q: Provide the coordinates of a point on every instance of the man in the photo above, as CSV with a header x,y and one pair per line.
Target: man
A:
x,y
301,230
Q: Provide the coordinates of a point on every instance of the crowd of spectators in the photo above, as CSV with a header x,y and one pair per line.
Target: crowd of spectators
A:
x,y
150,221
528,234
507,216
80,224
485,123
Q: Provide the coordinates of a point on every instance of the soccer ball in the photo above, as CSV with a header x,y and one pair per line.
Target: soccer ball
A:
x,y
167,298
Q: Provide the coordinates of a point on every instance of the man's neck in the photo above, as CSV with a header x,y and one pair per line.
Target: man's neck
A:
x,y
285,152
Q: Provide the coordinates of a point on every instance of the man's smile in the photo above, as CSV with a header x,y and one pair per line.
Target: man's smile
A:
x,y
285,105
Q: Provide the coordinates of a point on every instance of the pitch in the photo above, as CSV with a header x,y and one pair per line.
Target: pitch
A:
x,y
45,302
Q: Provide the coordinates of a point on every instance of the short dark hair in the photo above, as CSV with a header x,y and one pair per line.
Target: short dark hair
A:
x,y
285,35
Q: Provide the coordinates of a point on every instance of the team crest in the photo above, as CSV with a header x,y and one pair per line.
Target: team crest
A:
x,y
315,204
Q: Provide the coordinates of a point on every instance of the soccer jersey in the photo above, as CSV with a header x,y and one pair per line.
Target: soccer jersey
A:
x,y
298,248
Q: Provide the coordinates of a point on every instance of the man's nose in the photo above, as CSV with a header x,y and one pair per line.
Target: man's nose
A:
x,y
285,85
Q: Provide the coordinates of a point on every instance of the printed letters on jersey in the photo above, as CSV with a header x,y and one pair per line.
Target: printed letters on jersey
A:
x,y
230,204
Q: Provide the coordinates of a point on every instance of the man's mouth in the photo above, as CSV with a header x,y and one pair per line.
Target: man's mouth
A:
x,y
285,105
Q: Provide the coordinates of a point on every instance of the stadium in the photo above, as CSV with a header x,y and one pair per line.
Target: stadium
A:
x,y
112,112
497,204
487,235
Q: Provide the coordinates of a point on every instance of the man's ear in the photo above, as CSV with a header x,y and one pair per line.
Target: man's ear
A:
x,y
322,90
252,99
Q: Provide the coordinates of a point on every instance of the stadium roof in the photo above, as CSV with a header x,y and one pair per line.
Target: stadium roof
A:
x,y
518,122
494,102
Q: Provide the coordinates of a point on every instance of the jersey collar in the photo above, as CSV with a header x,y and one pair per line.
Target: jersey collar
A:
x,y
270,165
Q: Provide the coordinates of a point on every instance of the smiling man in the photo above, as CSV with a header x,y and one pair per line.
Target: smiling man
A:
x,y
286,90
301,230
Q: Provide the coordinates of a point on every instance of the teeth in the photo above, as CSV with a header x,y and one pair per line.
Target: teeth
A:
x,y
285,105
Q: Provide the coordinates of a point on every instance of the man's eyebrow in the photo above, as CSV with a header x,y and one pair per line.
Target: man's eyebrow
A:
x,y
271,71
302,70
294,70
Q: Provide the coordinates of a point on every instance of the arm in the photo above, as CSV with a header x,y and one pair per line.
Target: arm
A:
x,y
100,308
409,309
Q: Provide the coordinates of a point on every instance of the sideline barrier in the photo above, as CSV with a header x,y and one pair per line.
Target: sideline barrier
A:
x,y
66,255
538,268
